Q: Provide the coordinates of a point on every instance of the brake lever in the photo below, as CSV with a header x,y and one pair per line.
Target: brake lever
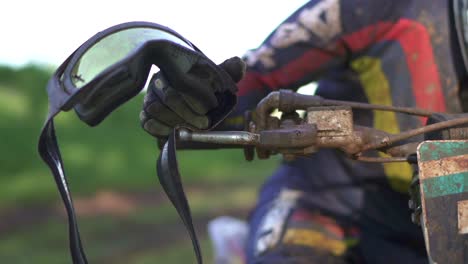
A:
x,y
236,138
300,136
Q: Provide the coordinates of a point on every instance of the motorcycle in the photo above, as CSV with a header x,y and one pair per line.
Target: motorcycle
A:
x,y
439,190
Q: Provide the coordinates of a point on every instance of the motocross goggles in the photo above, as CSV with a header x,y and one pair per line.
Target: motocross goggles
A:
x,y
106,71
113,66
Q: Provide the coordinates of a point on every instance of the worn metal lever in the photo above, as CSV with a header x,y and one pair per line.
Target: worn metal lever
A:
x,y
240,138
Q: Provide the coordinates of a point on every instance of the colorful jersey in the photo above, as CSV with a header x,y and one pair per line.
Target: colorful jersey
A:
x,y
382,52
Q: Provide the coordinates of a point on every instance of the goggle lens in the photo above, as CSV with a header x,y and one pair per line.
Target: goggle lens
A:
x,y
113,48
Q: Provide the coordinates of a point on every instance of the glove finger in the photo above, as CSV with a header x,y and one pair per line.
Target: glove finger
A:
x,y
156,109
154,127
235,67
164,103
180,107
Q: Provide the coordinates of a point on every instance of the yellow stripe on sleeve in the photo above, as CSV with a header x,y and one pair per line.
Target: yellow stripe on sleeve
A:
x,y
377,90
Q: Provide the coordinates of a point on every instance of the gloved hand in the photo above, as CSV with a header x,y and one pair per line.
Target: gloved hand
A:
x,y
165,107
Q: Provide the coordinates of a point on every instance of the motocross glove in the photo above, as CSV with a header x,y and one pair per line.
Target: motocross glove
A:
x,y
165,107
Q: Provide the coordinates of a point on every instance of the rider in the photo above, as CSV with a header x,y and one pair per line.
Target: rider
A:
x,y
326,208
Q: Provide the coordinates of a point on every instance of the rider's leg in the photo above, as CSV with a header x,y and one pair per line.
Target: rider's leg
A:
x,y
321,216
285,229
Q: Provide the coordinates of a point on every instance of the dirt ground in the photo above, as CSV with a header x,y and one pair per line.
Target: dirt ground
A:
x,y
116,227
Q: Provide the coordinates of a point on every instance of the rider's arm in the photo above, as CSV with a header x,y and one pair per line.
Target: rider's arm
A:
x,y
320,37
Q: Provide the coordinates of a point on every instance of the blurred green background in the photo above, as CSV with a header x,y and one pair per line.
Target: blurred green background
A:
x,y
123,213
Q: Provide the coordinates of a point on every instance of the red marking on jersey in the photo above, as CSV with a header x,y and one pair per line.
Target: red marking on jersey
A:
x,y
326,223
309,62
413,38
416,44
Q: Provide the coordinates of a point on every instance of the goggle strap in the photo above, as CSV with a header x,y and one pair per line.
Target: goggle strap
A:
x,y
49,151
170,180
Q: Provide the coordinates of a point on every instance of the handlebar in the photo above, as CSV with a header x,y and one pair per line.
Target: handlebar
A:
x,y
328,124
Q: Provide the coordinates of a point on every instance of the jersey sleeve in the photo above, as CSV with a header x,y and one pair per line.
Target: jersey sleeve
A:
x,y
305,47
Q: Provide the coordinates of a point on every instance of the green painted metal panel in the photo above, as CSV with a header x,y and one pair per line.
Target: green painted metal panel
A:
x,y
446,185
435,150
444,198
